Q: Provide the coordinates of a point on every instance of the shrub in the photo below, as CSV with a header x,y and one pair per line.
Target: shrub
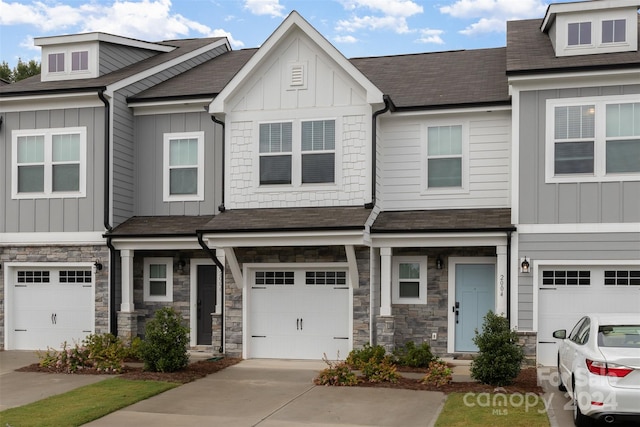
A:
x,y
134,349
438,375
414,356
165,346
338,373
357,358
102,352
499,356
376,371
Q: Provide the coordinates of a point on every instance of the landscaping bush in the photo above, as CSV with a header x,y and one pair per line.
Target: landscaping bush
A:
x,y
103,352
414,356
165,346
378,371
499,356
438,375
338,373
358,357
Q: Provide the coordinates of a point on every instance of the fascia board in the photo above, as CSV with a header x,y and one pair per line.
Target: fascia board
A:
x,y
101,37
428,240
355,237
150,243
50,102
52,239
161,67
583,6
374,95
561,80
167,107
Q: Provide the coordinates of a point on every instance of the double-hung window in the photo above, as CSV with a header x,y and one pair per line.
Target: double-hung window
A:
x,y
158,279
409,280
56,62
318,151
579,34
80,60
275,153
49,163
445,157
183,166
614,31
593,139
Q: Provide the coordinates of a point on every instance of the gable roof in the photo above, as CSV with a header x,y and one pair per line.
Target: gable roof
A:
x,y
440,79
291,23
529,50
35,86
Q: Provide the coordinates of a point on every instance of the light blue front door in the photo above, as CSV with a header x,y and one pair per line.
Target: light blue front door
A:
x,y
475,296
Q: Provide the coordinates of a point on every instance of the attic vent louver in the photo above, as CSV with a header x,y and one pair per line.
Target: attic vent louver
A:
x,y
297,75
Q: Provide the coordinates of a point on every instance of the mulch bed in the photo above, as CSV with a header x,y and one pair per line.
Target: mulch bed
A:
x,y
526,382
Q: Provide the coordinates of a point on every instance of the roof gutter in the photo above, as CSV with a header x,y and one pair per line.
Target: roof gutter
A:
x,y
374,139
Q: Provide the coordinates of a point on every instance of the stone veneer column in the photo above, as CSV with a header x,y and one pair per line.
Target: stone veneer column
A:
x,y
216,330
127,326
386,328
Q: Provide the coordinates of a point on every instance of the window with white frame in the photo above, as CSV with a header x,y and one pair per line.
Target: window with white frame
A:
x,y
614,31
409,280
49,163
80,60
593,139
579,34
275,153
56,62
158,279
183,177
318,151
445,162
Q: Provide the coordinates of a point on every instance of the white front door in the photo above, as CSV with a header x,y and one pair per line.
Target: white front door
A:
x,y
299,314
567,293
50,306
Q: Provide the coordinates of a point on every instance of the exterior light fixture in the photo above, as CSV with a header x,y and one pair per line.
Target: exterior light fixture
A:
x,y
439,263
525,266
181,264
97,265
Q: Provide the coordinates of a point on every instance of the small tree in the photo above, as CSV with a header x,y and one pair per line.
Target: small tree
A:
x,y
500,357
165,346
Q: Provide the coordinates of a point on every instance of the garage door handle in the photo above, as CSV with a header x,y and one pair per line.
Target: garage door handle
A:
x,y
300,323
297,324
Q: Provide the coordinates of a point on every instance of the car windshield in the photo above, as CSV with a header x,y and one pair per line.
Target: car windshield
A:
x,y
619,336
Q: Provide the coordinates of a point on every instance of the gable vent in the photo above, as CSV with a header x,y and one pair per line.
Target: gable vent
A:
x,y
297,75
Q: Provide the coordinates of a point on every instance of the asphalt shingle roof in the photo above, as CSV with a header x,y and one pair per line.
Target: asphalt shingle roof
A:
x,y
160,226
530,50
447,220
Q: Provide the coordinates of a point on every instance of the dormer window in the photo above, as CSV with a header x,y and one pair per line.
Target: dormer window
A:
x,y
56,62
614,31
579,34
80,61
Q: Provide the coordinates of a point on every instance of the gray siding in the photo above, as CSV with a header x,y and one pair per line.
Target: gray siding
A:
x,y
149,146
558,203
123,136
574,246
55,214
114,57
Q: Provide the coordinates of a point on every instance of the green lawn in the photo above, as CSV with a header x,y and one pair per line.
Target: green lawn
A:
x,y
486,409
84,404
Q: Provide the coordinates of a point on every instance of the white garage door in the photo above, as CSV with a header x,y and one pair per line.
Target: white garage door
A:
x,y
49,307
565,294
296,314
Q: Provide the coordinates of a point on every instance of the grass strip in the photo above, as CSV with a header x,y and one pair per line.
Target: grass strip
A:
x,y
493,409
83,404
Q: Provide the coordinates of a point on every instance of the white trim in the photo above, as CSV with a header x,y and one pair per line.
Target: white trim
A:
x,y
168,296
514,182
354,275
284,238
452,111
52,239
575,79
582,6
150,108
151,243
464,156
430,240
50,102
102,37
451,321
166,167
587,228
599,140
67,50
236,272
422,280
48,163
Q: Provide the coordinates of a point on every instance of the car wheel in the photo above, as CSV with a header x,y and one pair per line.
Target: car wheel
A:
x,y
579,419
561,385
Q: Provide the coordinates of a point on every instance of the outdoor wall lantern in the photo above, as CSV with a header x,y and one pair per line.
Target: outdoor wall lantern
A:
x,y
181,264
97,265
439,263
524,265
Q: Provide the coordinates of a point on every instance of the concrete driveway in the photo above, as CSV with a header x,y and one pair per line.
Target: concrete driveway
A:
x,y
270,393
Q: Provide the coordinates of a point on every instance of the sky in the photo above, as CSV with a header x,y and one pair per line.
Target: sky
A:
x,y
355,27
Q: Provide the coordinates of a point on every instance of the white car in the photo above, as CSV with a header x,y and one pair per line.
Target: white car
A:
x,y
599,366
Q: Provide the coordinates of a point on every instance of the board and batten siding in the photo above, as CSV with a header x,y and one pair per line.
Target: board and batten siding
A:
x,y
580,247
403,160
562,203
124,191
114,57
72,214
149,171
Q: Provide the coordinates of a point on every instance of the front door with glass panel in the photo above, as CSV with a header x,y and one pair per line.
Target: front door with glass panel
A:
x,y
475,296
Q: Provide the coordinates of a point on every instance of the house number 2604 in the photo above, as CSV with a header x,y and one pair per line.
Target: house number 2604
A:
x,y
501,284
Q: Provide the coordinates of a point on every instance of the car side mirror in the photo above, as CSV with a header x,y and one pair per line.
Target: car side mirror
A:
x,y
560,334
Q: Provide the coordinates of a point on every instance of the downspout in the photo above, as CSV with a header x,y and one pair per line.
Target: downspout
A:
x,y
374,137
509,276
221,208
215,259
107,224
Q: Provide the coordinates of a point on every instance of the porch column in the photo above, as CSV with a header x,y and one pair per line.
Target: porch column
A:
x,y
126,258
385,281
501,273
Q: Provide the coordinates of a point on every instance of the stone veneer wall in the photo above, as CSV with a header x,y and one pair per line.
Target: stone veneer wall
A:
x,y
61,254
528,341
415,322
233,295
